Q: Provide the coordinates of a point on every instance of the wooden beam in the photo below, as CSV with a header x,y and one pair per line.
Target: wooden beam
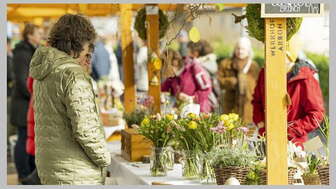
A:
x,y
152,19
127,57
276,106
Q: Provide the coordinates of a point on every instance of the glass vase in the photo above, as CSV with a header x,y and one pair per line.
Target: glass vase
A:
x,y
158,164
206,170
169,158
190,164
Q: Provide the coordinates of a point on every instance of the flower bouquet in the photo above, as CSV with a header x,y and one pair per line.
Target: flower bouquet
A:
x,y
185,130
158,130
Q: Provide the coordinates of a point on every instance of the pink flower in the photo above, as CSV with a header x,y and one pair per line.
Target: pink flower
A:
x,y
244,129
219,128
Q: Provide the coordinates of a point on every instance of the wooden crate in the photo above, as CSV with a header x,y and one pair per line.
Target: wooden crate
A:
x,y
134,146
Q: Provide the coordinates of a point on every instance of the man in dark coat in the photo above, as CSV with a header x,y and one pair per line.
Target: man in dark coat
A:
x,y
22,55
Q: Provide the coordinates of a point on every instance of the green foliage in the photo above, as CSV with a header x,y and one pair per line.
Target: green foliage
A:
x,y
313,163
254,175
135,117
256,24
227,156
222,50
322,64
140,25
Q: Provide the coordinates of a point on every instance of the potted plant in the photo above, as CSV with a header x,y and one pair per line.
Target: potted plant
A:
x,y
256,175
135,117
232,162
323,168
310,176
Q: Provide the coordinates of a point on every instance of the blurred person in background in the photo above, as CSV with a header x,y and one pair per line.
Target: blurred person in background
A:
x,y
183,40
70,146
141,72
10,128
306,107
203,53
237,77
118,53
189,81
101,63
22,55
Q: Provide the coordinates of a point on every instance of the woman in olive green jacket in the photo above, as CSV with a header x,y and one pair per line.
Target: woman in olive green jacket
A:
x,y
70,140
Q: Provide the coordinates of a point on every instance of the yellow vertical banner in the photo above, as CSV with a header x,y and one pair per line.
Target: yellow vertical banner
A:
x,y
127,56
152,20
276,107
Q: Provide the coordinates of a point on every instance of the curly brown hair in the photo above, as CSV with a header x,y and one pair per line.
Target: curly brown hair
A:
x,y
70,33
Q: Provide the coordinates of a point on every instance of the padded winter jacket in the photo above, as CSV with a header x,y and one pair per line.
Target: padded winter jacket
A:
x,y
306,111
30,145
69,138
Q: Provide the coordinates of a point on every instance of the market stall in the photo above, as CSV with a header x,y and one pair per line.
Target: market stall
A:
x,y
204,131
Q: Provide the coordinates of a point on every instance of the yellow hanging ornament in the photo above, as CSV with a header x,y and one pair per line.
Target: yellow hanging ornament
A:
x,y
194,34
156,62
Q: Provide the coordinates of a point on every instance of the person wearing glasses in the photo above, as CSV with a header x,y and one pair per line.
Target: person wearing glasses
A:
x,y
70,146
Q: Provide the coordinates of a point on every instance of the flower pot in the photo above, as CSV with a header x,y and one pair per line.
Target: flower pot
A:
x,y
224,173
190,164
312,179
323,172
158,166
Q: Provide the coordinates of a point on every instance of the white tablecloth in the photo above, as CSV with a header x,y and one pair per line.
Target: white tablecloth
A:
x,y
137,173
110,130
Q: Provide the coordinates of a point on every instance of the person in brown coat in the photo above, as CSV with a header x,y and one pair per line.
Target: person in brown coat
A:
x,y
237,77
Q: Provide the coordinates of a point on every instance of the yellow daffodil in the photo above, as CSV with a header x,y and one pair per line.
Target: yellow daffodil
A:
x,y
224,117
233,116
192,116
145,121
170,117
192,125
230,126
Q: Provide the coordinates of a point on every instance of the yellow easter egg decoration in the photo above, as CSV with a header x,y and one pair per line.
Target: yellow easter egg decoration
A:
x,y
194,34
157,64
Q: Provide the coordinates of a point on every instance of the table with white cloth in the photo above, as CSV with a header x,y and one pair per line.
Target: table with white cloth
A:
x,y
124,172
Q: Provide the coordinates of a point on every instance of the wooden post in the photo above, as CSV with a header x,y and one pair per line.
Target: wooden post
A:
x,y
127,56
276,106
152,20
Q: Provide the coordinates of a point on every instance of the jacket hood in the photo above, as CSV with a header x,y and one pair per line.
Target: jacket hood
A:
x,y
45,60
301,70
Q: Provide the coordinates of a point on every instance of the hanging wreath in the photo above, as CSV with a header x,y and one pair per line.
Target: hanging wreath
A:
x,y
256,24
140,25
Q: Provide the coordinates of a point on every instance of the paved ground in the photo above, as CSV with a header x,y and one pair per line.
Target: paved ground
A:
x,y
11,172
